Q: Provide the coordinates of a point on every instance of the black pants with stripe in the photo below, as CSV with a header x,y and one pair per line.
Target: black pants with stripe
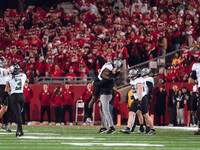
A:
x,y
17,103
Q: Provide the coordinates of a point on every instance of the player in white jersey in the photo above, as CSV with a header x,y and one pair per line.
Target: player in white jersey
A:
x,y
140,100
195,79
4,95
16,83
149,84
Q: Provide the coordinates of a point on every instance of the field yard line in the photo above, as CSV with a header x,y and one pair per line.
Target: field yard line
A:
x,y
59,138
178,128
68,147
42,133
12,130
7,133
112,144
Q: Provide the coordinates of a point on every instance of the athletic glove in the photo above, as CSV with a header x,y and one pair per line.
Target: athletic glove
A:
x,y
132,97
139,105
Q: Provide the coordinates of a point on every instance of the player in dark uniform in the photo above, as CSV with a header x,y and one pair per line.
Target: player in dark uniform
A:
x,y
106,89
195,79
16,83
117,63
4,95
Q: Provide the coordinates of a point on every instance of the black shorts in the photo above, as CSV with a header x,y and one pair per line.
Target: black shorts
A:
x,y
3,98
96,91
144,107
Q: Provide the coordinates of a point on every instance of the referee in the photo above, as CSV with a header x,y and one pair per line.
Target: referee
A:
x,y
16,83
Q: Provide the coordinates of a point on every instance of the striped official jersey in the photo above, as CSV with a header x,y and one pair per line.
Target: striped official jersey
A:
x,y
108,66
3,76
17,83
196,67
134,87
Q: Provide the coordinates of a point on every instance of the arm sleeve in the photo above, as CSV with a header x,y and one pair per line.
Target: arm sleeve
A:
x,y
150,87
193,75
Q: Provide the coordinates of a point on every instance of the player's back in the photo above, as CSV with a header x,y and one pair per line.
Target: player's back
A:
x,y
17,82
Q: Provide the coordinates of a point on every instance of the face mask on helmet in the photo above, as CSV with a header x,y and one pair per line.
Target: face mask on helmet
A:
x,y
133,73
118,63
145,71
3,62
14,69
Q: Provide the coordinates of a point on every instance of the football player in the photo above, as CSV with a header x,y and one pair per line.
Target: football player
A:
x,y
140,100
107,78
105,70
16,83
195,79
3,94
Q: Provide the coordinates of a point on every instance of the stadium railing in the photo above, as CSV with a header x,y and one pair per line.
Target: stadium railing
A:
x,y
155,64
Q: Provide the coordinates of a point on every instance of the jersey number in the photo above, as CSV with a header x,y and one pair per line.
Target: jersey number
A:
x,y
19,84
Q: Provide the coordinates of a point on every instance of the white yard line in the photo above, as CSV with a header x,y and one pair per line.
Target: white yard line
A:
x,y
178,128
57,138
112,144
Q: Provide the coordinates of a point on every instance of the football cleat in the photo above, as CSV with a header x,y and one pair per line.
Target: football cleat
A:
x,y
102,130
126,130
18,134
151,132
111,131
197,133
6,127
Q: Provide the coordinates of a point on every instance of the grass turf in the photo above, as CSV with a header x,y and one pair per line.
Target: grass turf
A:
x,y
77,137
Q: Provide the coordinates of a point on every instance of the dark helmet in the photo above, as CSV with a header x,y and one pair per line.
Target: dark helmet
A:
x,y
118,63
133,73
14,69
3,62
145,71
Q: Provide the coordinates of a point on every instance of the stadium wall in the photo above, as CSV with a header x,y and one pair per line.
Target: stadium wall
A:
x,y
78,89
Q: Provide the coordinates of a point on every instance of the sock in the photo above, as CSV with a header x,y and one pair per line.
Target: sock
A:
x,y
153,129
141,128
89,113
147,129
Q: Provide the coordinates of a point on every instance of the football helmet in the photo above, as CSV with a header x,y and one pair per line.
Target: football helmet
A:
x,y
14,69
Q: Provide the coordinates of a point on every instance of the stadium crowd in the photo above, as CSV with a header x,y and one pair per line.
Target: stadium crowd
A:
x,y
50,42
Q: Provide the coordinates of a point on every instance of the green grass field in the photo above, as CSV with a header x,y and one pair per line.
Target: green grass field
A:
x,y
78,137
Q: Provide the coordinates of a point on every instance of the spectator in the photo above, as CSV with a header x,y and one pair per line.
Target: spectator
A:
x,y
28,95
45,98
176,60
162,43
180,108
160,105
86,97
171,106
57,72
175,37
114,104
57,100
71,75
82,70
118,5
68,95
